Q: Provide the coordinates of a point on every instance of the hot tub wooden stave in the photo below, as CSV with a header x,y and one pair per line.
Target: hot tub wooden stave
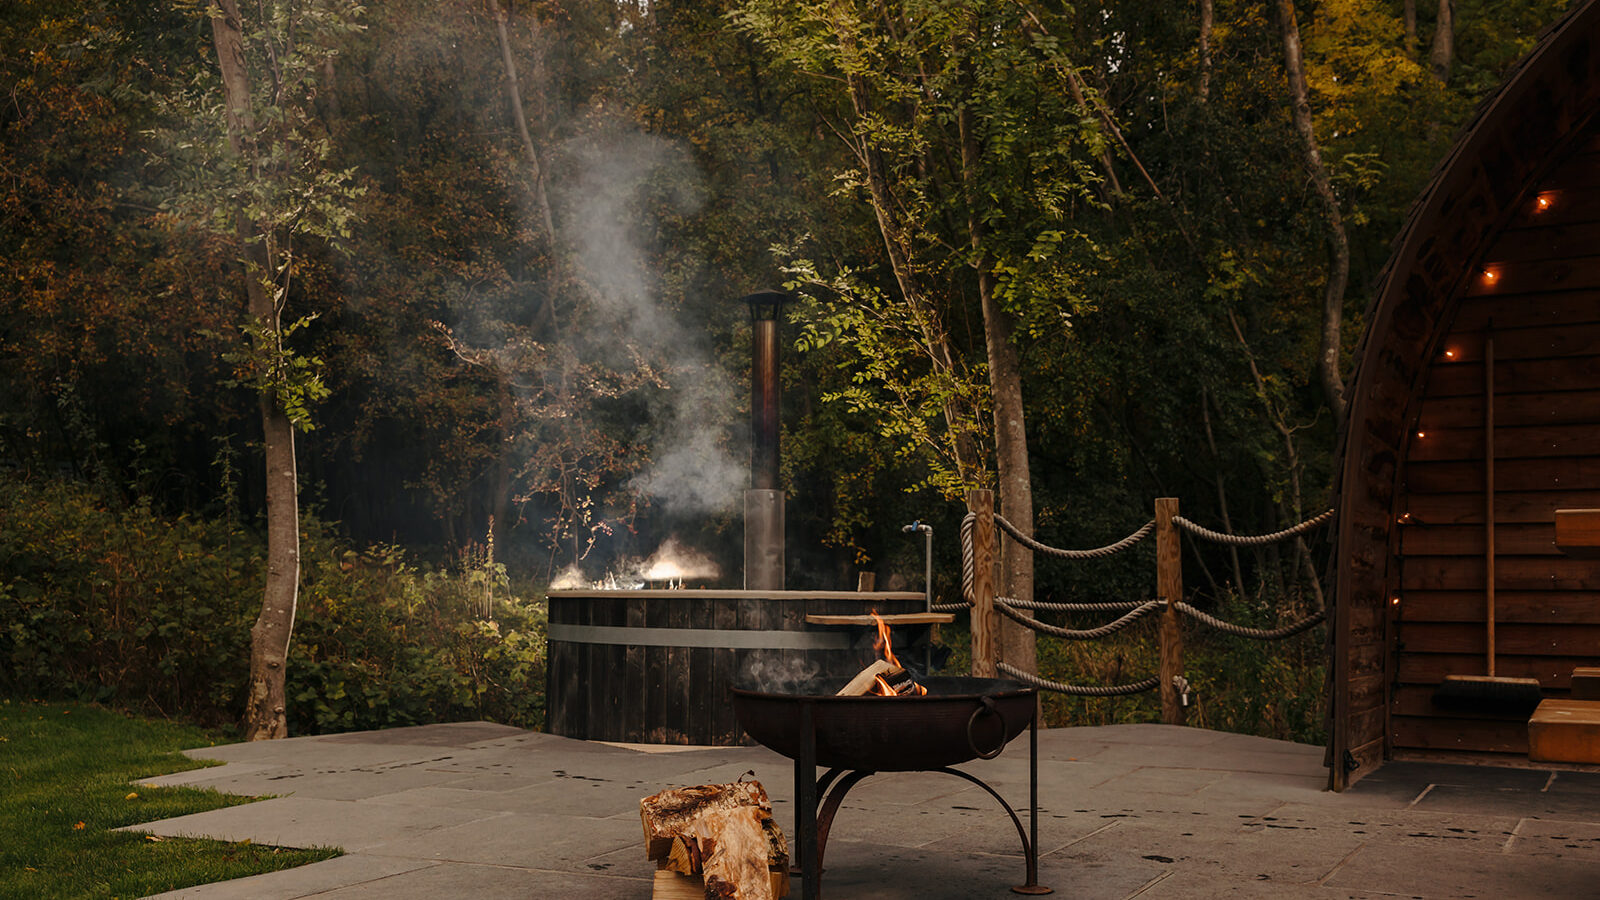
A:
x,y
655,666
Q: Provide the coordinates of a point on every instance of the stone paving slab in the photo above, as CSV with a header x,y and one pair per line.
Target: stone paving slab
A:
x,y
1150,811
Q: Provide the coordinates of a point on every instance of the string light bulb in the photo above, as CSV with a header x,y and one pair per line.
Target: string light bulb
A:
x,y
1490,276
1542,204
1449,354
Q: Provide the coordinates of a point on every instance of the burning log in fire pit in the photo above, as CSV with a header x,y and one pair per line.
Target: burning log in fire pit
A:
x,y
884,677
715,841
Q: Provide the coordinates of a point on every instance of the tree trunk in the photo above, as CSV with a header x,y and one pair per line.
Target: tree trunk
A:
x,y
1338,243
1411,28
1017,643
266,705
1207,13
1442,53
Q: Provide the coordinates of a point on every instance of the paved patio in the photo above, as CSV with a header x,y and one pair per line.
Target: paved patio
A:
x,y
1151,811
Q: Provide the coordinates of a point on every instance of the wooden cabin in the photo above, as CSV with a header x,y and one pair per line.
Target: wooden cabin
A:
x,y
1499,260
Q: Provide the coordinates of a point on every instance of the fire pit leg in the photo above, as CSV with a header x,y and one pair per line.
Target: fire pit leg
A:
x,y
805,806
832,798
1032,885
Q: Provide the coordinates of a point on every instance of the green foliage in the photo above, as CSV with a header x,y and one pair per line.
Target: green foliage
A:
x,y
119,604
68,768
1268,688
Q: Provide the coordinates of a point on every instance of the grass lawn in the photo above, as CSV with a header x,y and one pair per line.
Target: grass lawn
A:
x,y
67,768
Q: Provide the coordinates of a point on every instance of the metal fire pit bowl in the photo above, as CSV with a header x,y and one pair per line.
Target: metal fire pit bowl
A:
x,y
959,719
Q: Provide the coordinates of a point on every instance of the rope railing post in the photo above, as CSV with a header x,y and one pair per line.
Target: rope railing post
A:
x,y
1169,590
985,618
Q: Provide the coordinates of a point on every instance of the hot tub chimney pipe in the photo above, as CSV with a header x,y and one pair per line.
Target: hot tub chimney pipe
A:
x,y
763,503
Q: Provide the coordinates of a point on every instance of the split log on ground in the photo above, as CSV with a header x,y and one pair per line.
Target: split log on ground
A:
x,y
736,864
672,812
723,832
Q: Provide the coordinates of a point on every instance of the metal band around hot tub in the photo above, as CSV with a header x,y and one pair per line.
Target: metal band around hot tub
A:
x,y
736,639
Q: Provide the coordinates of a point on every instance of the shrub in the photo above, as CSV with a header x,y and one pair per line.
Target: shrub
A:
x,y
117,604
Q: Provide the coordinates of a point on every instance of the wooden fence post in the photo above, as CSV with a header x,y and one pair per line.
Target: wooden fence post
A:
x,y
985,619
1169,588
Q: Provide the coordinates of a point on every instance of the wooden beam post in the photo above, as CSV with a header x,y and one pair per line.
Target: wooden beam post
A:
x,y
1169,588
985,618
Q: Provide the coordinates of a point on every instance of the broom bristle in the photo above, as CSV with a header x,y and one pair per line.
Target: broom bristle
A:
x,y
1488,693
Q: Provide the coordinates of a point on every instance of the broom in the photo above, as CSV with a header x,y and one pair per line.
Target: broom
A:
x,y
1489,693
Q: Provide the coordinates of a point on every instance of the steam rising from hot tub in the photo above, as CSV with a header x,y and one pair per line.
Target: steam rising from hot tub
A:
x,y
672,565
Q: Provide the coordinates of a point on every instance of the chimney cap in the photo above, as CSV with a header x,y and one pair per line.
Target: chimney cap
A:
x,y
766,304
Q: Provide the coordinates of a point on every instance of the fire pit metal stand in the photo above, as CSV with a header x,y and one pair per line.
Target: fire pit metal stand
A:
x,y
817,801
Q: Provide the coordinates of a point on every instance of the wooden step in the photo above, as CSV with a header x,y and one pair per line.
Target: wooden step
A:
x,y
1586,683
1565,731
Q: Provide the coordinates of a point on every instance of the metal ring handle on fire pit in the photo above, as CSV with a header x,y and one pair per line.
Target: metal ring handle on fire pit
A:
x,y
989,707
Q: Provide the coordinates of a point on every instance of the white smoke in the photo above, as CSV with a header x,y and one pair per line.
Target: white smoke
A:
x,y
616,171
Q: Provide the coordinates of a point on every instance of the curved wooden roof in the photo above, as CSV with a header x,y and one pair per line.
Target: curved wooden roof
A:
x,y
1487,179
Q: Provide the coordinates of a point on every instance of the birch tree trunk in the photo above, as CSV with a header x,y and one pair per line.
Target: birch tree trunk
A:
x,y
266,703
1338,243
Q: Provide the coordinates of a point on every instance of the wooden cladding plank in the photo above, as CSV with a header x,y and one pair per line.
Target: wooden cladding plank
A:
x,y
1522,277
1542,340
1515,607
1476,735
1522,640
1509,506
1539,242
1512,573
1526,442
1561,473
1555,310
1553,672
1581,170
1535,539
1570,205
1543,408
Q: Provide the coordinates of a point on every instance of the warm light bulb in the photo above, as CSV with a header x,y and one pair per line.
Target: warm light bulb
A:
x,y
1449,354
1543,203
1490,275
1422,434
1394,601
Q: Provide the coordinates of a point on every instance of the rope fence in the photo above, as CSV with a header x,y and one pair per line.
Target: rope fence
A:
x,y
986,610
1080,690
1250,540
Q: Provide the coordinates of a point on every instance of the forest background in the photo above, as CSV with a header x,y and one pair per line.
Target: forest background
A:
x,y
1121,249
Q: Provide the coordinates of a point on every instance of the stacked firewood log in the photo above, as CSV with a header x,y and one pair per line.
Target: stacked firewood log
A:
x,y
715,841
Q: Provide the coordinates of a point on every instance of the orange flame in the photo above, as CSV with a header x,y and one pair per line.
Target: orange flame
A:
x,y
883,645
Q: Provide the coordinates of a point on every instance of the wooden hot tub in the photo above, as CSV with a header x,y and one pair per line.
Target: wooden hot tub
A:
x,y
655,666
